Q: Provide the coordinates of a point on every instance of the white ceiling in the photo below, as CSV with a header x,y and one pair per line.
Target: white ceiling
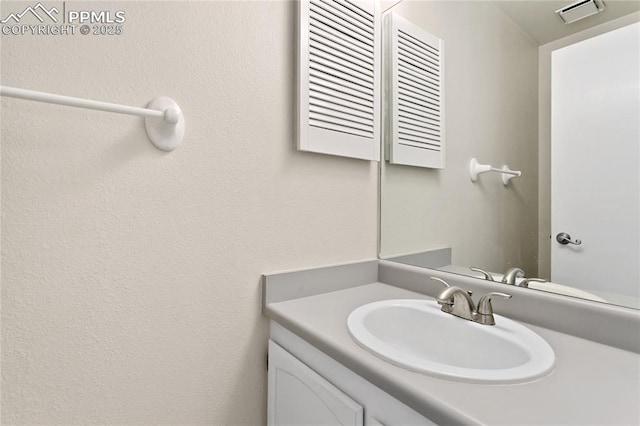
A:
x,y
538,18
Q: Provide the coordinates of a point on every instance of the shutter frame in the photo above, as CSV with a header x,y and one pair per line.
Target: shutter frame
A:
x,y
338,97
413,73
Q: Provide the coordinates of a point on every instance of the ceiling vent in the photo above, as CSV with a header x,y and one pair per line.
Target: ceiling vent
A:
x,y
580,10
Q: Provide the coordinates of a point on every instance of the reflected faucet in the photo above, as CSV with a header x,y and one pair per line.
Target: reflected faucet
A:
x,y
525,283
511,275
487,275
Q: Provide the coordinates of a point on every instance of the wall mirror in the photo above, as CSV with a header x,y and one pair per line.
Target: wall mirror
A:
x,y
557,102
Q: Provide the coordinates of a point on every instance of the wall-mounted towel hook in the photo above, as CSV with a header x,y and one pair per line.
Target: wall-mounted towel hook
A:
x,y
163,118
508,174
475,169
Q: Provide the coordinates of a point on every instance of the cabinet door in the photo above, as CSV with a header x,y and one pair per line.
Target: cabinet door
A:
x,y
339,50
298,396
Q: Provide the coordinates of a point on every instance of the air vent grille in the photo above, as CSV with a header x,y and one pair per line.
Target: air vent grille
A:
x,y
341,61
580,10
339,74
418,93
414,95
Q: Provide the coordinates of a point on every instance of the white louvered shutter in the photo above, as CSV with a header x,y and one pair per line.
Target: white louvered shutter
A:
x,y
414,94
339,78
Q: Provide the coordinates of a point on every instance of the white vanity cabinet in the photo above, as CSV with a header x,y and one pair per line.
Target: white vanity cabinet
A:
x,y
307,387
300,396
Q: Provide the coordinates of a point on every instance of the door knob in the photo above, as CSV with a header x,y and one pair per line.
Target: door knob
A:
x,y
564,239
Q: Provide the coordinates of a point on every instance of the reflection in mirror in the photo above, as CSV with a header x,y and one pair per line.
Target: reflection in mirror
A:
x,y
498,63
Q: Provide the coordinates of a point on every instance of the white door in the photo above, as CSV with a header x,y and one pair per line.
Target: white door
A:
x,y
595,161
298,396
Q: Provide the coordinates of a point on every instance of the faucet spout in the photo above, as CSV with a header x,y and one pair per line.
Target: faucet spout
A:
x,y
458,302
511,275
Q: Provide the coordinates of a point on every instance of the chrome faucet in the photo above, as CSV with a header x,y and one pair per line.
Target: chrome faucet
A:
x,y
457,301
511,275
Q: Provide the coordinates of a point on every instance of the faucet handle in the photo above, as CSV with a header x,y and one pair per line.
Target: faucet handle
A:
x,y
484,305
487,276
525,283
440,280
447,285
485,310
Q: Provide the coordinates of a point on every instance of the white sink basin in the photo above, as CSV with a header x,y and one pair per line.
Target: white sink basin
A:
x,y
416,335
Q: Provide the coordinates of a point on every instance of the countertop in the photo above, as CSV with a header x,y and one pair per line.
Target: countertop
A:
x,y
592,383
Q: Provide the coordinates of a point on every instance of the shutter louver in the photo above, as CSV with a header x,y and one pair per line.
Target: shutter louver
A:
x,y
338,78
414,94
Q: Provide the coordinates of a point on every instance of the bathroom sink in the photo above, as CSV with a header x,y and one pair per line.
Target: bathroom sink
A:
x,y
416,335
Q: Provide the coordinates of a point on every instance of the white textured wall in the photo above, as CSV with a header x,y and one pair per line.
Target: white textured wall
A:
x,y
130,277
491,114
